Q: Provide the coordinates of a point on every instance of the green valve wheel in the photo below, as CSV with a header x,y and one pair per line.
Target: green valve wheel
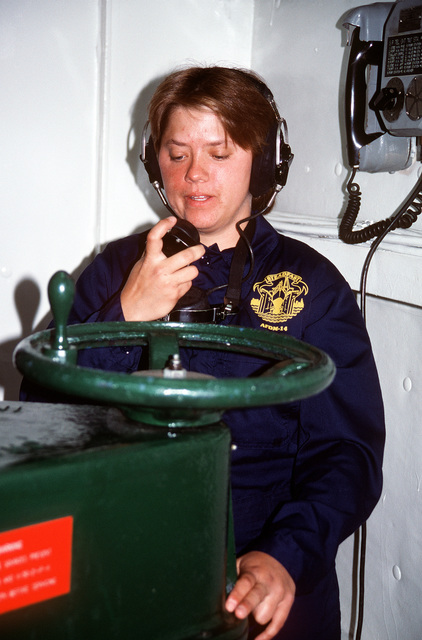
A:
x,y
167,395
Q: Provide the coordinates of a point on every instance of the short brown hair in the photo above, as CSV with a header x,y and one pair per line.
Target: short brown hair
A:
x,y
232,94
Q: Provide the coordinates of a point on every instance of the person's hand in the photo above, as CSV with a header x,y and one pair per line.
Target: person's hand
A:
x,y
156,282
265,589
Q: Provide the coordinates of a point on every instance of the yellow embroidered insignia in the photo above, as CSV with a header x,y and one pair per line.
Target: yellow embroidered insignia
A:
x,y
281,297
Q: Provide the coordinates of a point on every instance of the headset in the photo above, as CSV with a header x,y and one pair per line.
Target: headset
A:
x,y
269,173
270,168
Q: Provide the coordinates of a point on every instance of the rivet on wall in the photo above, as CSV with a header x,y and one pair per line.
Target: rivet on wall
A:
x,y
397,572
407,384
338,169
5,272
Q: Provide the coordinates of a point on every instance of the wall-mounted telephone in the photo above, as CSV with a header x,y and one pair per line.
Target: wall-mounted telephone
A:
x,y
383,98
384,84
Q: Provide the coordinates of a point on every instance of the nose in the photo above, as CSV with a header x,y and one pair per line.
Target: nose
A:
x,y
196,170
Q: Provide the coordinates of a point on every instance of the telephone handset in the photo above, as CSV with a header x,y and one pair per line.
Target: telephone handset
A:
x,y
383,100
194,305
181,236
363,52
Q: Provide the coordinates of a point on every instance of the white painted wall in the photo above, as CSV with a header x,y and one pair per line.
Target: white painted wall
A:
x,y
304,60
394,561
49,80
76,78
145,41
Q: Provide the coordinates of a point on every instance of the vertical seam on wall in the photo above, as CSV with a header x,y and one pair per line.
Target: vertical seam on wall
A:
x,y
101,119
252,36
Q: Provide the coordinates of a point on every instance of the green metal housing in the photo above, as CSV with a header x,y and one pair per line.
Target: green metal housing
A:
x,y
151,523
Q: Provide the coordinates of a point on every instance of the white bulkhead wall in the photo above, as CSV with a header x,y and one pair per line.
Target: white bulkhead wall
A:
x,y
300,47
76,78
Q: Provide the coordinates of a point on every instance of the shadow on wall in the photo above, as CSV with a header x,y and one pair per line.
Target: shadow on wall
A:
x,y
27,300
139,115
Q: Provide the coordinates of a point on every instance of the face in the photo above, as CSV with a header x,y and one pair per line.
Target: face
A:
x,y
205,174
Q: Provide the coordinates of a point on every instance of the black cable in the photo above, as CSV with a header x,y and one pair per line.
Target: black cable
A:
x,y
361,544
408,215
245,238
393,224
246,243
404,218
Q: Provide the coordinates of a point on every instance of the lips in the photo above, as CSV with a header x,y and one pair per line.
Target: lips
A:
x,y
198,198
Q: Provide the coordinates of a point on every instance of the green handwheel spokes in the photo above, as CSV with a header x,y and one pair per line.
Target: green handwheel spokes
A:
x,y
48,358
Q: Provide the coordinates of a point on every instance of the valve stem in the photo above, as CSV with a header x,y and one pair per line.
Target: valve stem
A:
x,y
173,368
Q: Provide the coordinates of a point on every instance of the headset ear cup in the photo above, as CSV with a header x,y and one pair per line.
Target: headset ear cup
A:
x,y
263,174
151,163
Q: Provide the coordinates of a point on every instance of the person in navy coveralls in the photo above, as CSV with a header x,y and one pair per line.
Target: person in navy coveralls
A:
x,y
304,475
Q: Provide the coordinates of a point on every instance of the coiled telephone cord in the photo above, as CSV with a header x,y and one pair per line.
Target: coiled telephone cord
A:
x,y
404,219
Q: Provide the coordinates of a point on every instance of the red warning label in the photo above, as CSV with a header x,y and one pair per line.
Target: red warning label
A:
x,y
35,563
